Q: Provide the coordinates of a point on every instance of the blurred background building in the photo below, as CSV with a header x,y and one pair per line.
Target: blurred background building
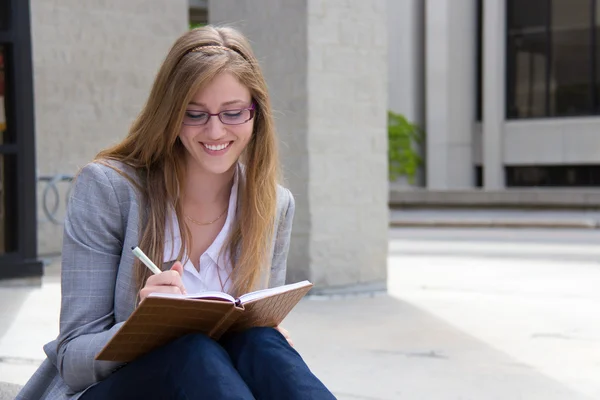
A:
x,y
507,92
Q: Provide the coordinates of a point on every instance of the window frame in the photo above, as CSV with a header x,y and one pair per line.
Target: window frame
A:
x,y
15,36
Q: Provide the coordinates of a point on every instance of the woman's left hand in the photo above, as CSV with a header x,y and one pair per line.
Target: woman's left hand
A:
x,y
285,334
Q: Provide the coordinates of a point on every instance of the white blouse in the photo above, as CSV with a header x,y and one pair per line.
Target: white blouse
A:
x,y
213,264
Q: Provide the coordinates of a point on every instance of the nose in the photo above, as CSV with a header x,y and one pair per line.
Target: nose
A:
x,y
215,129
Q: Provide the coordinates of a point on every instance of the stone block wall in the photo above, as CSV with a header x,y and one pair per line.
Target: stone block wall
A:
x,y
94,63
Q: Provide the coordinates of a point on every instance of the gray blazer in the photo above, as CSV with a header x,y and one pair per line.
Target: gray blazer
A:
x,y
98,289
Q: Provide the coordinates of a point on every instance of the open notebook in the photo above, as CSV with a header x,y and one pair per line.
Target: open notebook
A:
x,y
161,318
245,298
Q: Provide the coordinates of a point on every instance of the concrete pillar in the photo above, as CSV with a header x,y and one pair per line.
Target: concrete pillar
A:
x,y
494,92
325,63
451,31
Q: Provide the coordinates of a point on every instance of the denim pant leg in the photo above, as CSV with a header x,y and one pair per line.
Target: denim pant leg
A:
x,y
192,367
272,368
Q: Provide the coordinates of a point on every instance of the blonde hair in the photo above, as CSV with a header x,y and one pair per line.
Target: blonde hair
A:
x,y
153,148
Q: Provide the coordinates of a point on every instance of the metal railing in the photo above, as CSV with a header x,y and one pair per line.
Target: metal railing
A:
x,y
51,196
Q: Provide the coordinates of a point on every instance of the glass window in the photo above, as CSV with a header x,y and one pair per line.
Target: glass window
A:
x,y
4,14
527,58
551,58
553,175
571,86
2,96
8,236
8,168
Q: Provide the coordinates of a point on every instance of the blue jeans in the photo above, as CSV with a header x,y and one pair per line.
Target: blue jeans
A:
x,y
255,364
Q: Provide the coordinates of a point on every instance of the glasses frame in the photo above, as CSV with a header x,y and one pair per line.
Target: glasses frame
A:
x,y
252,110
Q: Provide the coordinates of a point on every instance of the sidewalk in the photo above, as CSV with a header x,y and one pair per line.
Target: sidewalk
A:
x,y
381,347
494,218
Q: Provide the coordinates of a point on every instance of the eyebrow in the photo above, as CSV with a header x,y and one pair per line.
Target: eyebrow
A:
x,y
227,103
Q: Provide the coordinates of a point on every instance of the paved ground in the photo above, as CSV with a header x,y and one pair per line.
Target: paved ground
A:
x,y
470,314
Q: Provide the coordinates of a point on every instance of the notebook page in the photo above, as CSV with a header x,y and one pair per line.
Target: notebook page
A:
x,y
259,294
201,295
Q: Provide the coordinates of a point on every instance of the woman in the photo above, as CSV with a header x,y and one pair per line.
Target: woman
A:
x,y
195,181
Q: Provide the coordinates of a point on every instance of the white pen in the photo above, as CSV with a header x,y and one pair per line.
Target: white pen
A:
x,y
144,258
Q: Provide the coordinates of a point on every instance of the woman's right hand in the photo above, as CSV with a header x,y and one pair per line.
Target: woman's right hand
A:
x,y
165,282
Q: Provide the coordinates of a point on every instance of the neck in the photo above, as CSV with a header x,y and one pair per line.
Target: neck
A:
x,y
202,188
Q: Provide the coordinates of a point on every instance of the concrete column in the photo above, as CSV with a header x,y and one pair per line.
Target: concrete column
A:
x,y
451,31
494,92
325,63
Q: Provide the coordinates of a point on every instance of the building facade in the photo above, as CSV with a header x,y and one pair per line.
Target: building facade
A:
x,y
507,91
73,76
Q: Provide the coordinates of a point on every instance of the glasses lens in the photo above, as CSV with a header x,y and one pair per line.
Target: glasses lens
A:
x,y
234,117
195,118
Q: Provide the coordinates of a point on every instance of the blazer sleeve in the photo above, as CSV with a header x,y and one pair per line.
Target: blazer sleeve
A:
x,y
92,247
282,242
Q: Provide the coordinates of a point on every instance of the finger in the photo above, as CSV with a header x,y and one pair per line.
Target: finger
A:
x,y
166,278
159,289
283,331
285,334
177,266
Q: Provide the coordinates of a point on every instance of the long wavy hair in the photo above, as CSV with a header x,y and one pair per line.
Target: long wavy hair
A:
x,y
154,150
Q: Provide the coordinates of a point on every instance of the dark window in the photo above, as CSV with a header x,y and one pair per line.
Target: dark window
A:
x,y
552,58
18,239
553,175
478,176
7,167
5,132
4,13
2,96
8,205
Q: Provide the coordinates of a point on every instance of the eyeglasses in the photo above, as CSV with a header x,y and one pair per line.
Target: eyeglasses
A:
x,y
227,117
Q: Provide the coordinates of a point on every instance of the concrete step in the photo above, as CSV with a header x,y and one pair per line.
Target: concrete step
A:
x,y
569,198
494,218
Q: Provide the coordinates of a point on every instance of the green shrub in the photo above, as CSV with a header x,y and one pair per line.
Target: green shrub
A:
x,y
403,138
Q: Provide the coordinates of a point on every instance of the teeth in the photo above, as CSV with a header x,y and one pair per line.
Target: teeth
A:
x,y
215,147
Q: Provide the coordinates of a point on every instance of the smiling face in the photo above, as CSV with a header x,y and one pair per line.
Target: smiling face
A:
x,y
212,145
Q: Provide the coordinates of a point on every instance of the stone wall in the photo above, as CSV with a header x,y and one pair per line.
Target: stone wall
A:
x,y
94,63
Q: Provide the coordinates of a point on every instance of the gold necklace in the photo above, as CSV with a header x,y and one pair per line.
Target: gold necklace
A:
x,y
206,223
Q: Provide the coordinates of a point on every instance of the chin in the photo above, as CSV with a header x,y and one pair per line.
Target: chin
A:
x,y
217,168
